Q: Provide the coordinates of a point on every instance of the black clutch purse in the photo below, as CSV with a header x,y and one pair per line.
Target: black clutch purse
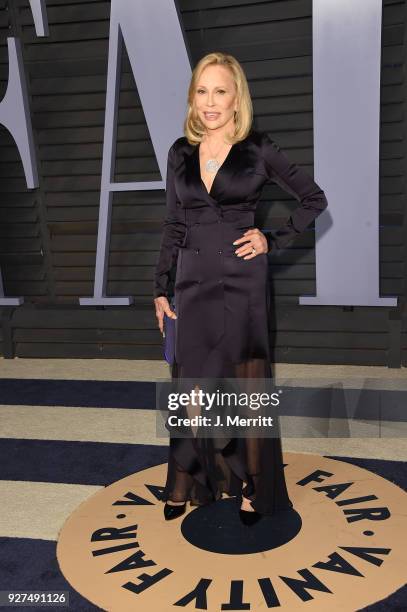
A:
x,y
169,335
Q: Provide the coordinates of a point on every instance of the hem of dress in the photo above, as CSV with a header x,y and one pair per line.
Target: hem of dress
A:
x,y
240,474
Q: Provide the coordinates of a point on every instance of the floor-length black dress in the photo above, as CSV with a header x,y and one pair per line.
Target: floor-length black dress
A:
x,y
223,305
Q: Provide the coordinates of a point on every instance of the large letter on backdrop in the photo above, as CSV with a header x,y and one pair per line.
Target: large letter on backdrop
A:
x,y
15,116
346,75
155,44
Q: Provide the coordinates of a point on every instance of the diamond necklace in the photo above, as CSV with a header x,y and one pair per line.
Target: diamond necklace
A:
x,y
212,165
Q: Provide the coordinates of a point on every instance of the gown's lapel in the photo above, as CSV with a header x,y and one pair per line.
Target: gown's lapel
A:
x,y
224,174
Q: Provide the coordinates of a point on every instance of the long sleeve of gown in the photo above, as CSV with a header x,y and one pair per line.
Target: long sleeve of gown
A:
x,y
296,181
174,230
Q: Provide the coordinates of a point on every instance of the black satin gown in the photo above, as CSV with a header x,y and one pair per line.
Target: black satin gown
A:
x,y
223,305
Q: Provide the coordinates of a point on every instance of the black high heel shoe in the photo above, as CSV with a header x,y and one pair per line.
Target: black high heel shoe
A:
x,y
172,512
249,518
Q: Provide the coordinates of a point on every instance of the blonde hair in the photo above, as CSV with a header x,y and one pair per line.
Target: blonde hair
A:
x,y
194,129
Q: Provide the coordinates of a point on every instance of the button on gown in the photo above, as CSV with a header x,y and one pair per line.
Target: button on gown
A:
x,y
223,307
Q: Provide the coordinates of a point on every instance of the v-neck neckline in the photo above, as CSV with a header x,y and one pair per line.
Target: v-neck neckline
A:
x,y
209,193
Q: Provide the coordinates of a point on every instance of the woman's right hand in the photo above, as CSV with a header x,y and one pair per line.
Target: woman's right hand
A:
x,y
162,307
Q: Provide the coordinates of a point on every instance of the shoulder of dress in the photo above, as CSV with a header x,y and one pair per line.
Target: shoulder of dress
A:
x,y
179,144
267,146
261,137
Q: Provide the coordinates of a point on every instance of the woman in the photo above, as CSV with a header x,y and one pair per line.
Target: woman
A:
x,y
215,176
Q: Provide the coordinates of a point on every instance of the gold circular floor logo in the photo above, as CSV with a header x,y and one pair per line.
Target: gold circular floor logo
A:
x,y
341,547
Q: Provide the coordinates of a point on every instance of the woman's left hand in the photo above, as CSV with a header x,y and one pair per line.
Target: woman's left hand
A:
x,y
252,238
